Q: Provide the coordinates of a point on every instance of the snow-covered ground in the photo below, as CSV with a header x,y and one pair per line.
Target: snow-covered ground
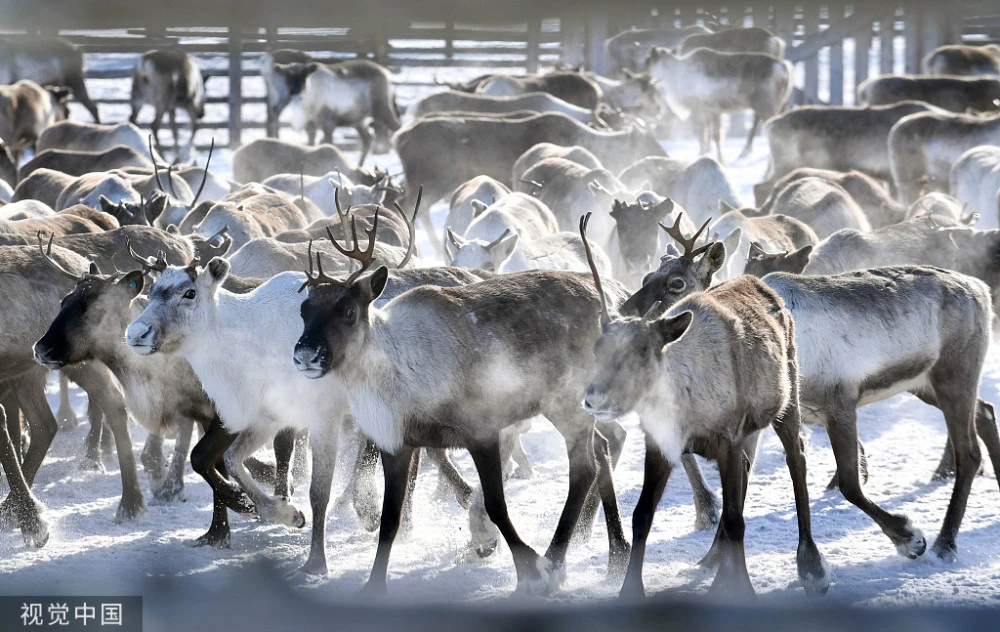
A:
x,y
89,554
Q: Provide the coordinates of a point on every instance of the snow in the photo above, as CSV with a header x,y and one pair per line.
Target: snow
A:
x,y
88,553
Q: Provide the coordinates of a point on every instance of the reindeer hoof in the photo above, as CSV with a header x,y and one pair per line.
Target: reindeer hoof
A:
x,y
618,561
215,539
542,579
914,546
168,495
130,511
35,531
89,464
315,567
946,551
487,548
816,581
707,520
299,520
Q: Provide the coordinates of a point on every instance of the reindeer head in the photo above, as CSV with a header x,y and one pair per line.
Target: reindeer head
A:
x,y
679,274
760,262
637,233
180,300
89,316
294,76
335,314
480,254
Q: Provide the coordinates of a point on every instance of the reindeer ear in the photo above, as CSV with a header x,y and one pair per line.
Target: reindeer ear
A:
x,y
709,263
173,230
133,282
478,206
725,207
670,329
505,249
107,205
217,270
797,261
155,206
371,287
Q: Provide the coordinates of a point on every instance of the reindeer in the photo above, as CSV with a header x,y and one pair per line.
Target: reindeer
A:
x,y
570,86
281,89
456,101
834,138
46,61
470,199
265,157
580,155
630,49
975,180
566,186
320,189
638,237
697,186
658,366
769,233
719,83
963,59
77,163
923,148
35,295
360,349
167,80
8,167
911,320
879,207
822,205
27,108
346,93
79,136
955,94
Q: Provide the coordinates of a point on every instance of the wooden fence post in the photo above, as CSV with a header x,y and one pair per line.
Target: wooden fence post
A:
x,y
531,41
862,50
597,32
573,38
810,26
835,15
235,86
886,35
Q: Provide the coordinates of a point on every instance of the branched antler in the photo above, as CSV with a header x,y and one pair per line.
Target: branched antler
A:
x,y
47,255
364,257
690,252
411,226
149,264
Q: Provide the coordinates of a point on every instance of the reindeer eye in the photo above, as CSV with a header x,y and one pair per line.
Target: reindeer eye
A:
x,y
677,285
189,294
351,313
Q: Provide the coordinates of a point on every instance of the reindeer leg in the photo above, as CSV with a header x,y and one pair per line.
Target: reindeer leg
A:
x,y
20,508
92,460
706,506
155,126
716,127
207,460
43,426
396,469
172,489
986,427
958,402
153,462
366,141
608,444
842,428
360,490
100,387
484,532
753,132
13,423
732,578
655,475
66,417
268,507
534,574
813,569
284,449
450,478
324,461
172,116
713,558
577,429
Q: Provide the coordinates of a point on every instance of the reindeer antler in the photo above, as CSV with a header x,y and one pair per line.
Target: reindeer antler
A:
x,y
364,257
149,264
605,317
411,226
690,252
204,175
47,255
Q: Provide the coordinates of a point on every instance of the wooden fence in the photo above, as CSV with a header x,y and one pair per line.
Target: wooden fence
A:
x,y
835,46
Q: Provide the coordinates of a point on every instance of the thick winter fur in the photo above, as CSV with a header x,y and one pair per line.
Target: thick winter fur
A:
x,y
77,163
88,189
630,49
737,40
697,186
260,159
772,233
478,193
251,218
640,240
963,59
709,83
79,136
569,188
834,138
880,208
921,329
441,154
975,180
580,155
558,251
923,148
265,257
281,88
43,185
46,61
347,93
822,205
572,87
955,94
496,362
26,109
455,101
707,376
168,80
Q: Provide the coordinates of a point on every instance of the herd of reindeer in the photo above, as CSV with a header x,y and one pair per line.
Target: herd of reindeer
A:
x,y
288,305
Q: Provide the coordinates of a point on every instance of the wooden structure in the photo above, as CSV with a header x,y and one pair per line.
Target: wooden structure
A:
x,y
835,45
